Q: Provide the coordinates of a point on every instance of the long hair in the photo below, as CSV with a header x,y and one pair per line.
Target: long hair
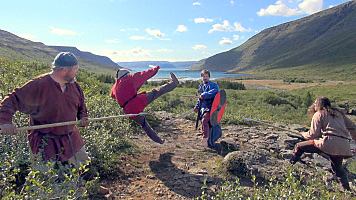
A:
x,y
323,103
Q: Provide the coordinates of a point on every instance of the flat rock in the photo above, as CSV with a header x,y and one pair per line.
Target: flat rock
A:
x,y
272,136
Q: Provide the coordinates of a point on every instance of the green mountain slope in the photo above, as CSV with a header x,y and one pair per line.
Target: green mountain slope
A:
x,y
327,38
17,48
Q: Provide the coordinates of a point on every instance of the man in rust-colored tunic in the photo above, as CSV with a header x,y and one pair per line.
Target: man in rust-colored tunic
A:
x,y
51,98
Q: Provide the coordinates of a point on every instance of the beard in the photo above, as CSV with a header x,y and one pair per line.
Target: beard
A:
x,y
69,79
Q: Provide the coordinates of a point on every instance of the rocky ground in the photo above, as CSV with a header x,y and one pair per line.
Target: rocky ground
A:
x,y
179,168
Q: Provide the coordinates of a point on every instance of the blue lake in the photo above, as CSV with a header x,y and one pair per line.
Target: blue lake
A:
x,y
183,74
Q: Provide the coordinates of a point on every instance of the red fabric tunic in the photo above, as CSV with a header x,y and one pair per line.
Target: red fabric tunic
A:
x,y
43,99
125,89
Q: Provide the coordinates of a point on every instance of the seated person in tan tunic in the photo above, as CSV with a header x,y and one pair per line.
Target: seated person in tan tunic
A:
x,y
331,133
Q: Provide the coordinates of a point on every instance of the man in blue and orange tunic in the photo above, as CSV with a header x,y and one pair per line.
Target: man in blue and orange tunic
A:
x,y
207,91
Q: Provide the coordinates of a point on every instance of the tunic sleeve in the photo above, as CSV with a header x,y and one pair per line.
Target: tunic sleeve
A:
x,y
141,77
315,127
350,127
82,109
24,99
198,101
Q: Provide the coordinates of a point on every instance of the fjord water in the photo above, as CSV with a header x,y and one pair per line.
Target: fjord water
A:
x,y
184,74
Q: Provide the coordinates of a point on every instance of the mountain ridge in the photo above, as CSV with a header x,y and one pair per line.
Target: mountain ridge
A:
x,y
163,64
326,38
13,47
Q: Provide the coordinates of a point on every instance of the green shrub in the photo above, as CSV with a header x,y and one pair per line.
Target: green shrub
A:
x,y
295,185
297,80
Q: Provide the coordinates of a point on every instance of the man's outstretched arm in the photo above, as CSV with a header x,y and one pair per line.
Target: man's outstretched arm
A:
x,y
141,77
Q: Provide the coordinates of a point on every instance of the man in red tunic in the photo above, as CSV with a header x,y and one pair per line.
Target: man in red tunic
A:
x,y
51,98
125,89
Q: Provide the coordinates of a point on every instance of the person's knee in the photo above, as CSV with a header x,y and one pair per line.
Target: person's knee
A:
x,y
297,147
139,120
205,119
154,91
152,95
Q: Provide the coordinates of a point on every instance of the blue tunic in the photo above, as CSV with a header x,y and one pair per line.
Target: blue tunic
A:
x,y
207,91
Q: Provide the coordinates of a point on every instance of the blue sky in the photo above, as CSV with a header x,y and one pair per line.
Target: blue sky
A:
x,y
137,30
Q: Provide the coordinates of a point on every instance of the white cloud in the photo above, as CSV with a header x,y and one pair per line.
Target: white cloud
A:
x,y
139,37
181,28
62,32
136,53
199,47
280,8
197,3
227,27
232,2
155,32
128,29
331,6
311,6
140,51
235,37
112,41
225,41
240,28
28,36
201,20
224,27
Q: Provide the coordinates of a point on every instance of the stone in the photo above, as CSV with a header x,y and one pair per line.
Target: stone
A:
x,y
150,177
229,146
202,171
272,136
255,136
287,154
244,140
194,183
234,163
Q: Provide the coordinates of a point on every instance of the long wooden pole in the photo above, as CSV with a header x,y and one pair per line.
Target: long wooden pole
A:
x,y
28,128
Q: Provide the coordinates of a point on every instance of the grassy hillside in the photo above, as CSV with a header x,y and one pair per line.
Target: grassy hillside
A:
x,y
325,40
16,48
318,72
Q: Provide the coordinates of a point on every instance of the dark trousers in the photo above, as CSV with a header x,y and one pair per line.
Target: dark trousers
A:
x,y
151,96
336,161
205,124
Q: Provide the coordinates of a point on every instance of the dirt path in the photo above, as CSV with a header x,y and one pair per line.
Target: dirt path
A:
x,y
178,169
175,170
